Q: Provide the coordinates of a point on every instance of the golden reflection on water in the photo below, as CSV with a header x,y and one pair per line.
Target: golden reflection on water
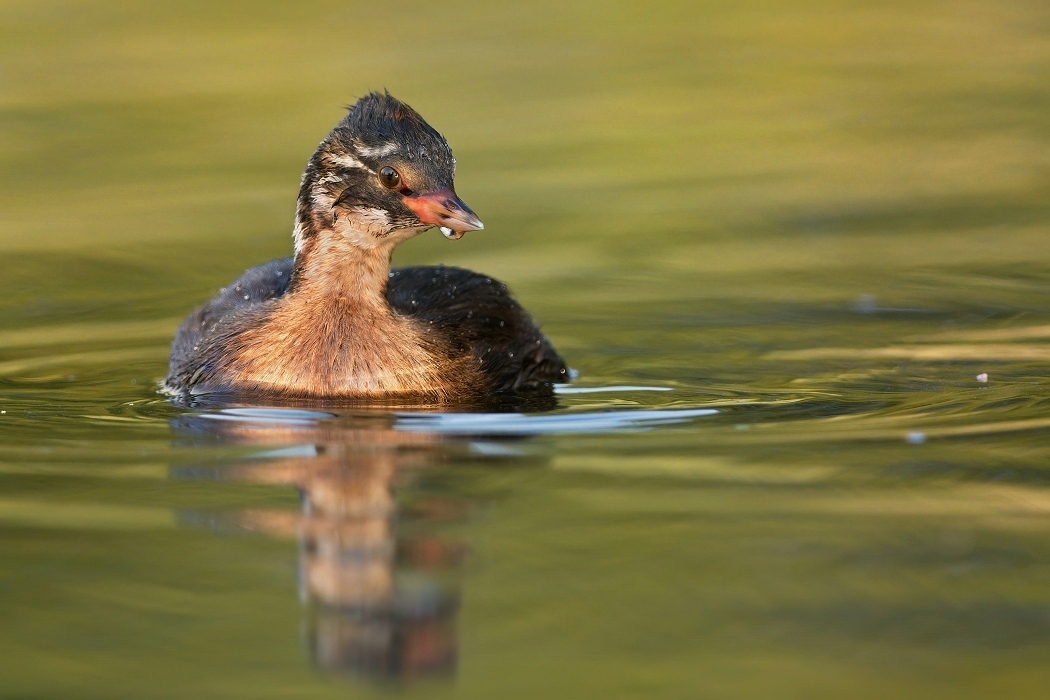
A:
x,y
988,352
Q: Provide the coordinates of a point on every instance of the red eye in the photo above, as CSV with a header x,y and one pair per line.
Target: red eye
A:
x,y
390,178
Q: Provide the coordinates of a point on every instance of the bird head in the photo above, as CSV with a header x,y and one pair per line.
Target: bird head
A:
x,y
381,176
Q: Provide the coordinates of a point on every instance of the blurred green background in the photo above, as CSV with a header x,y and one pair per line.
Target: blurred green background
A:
x,y
824,219
713,143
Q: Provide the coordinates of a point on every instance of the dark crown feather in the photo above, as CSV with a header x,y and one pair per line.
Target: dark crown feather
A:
x,y
380,118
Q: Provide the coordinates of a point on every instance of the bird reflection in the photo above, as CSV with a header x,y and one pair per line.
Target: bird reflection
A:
x,y
377,601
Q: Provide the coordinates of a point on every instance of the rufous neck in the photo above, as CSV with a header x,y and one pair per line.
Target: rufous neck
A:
x,y
328,267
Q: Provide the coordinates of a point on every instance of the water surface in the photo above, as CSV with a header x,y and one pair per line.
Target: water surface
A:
x,y
799,255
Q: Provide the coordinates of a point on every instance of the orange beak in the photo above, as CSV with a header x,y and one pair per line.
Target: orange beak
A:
x,y
443,208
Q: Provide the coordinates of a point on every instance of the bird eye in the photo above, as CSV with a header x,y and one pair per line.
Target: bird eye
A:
x,y
390,178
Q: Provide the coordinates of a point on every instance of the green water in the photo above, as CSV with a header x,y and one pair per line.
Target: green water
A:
x,y
822,219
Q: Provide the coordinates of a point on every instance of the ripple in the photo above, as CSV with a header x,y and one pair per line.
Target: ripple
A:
x,y
559,389
520,424
282,416
491,424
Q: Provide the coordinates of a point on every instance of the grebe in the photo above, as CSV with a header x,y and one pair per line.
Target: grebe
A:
x,y
334,321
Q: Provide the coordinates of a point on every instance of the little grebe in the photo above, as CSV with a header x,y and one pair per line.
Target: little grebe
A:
x,y
334,320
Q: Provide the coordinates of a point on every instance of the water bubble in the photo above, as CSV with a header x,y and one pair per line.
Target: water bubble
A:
x,y
866,304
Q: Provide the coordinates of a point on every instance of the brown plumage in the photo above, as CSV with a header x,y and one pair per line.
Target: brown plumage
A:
x,y
334,321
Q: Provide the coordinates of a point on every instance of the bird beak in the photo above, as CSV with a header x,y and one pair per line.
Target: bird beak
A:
x,y
443,208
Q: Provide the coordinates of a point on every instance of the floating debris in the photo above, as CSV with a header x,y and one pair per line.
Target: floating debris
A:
x,y
982,377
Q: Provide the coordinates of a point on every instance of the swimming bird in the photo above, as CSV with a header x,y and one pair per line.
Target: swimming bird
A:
x,y
334,320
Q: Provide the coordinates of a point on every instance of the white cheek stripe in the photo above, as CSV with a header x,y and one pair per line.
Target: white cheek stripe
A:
x,y
348,161
377,151
373,220
297,237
